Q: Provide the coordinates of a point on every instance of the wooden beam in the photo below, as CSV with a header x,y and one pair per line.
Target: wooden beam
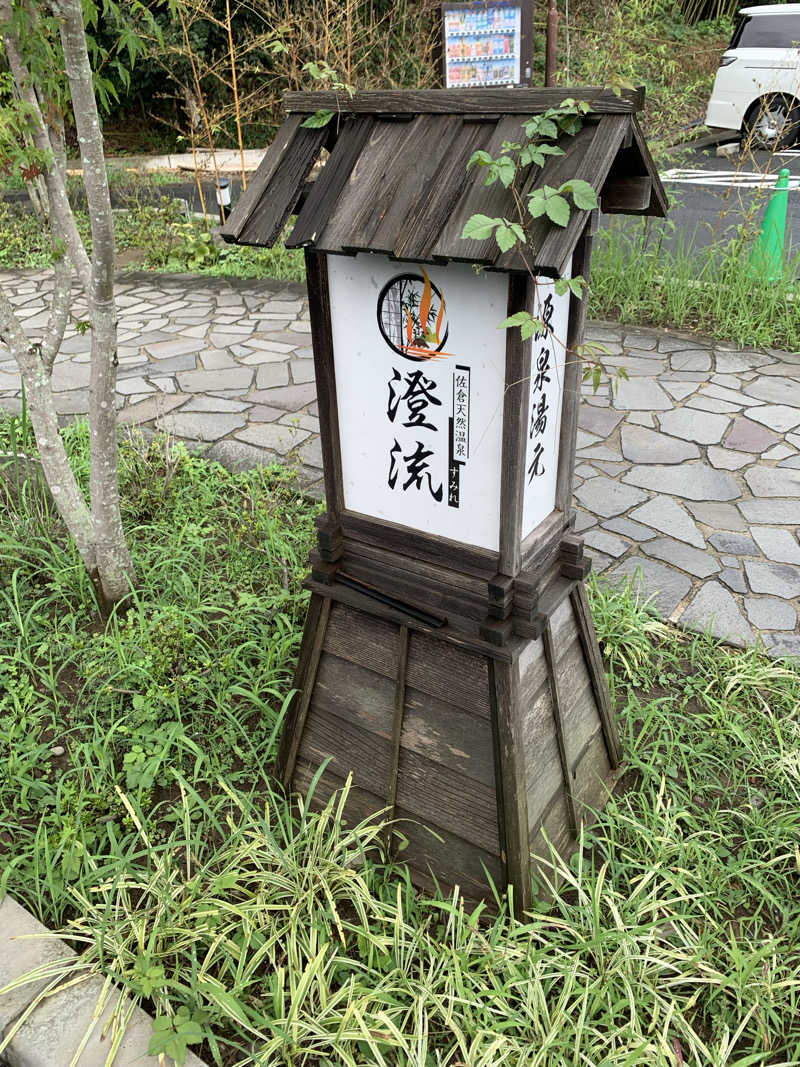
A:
x,y
515,426
305,675
552,670
624,196
397,730
594,663
463,101
509,761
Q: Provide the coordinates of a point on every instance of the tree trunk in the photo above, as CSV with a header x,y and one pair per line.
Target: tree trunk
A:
x,y
114,565
57,472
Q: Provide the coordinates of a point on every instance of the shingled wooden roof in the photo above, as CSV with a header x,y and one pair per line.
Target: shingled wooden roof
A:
x,y
396,178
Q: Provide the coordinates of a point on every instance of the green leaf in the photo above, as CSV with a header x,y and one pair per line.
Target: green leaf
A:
x,y
479,159
517,319
317,120
532,154
582,192
557,209
506,170
506,238
479,227
561,286
537,203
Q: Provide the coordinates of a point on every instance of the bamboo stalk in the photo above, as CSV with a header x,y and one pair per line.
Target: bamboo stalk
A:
x,y
235,90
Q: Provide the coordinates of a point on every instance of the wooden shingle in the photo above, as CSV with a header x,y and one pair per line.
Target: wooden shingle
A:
x,y
396,180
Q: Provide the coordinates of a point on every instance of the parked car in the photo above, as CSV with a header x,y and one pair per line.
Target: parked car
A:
x,y
757,87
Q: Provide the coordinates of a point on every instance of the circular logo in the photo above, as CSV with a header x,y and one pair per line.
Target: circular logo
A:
x,y
411,316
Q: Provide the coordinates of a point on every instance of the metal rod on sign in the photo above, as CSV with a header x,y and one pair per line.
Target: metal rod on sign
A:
x,y
551,43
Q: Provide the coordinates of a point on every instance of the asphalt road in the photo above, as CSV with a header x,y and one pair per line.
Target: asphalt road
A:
x,y
711,196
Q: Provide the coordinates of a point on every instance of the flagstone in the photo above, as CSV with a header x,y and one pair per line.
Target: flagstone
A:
x,y
629,528
728,460
775,390
748,436
703,427
676,553
274,436
694,481
644,394
778,579
714,608
198,426
693,360
664,585
777,417
665,514
770,613
734,579
641,445
201,381
606,542
607,497
777,544
773,481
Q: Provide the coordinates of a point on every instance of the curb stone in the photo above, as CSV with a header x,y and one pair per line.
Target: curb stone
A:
x,y
51,1035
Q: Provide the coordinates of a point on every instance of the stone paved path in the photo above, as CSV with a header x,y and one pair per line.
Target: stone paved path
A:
x,y
688,474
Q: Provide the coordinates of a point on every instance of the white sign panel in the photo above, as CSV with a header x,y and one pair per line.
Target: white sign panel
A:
x,y
544,404
420,370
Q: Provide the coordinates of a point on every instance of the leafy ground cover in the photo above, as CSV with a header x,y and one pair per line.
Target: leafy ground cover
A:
x,y
639,276
154,236
137,814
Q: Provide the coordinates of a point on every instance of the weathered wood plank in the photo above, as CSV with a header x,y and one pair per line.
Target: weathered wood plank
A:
x,y
435,203
510,759
447,858
268,211
515,427
363,639
380,164
594,662
406,178
626,196
463,101
449,673
306,675
397,720
445,799
361,804
550,656
319,302
568,434
334,176
281,144
350,749
428,547
476,198
355,693
593,166
452,736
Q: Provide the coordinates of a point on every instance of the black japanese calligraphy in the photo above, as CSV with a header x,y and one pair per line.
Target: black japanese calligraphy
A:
x,y
418,397
536,467
417,468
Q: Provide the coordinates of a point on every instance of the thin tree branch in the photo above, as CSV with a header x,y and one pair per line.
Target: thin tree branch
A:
x,y
59,312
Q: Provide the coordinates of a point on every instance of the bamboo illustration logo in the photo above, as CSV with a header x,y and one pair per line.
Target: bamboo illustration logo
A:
x,y
412,317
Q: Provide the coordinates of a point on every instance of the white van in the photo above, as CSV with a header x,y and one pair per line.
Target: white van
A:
x,y
757,88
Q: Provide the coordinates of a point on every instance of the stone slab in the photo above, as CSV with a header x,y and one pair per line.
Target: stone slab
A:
x,y
687,424
644,394
666,515
693,481
606,542
774,481
607,497
665,586
701,564
737,543
778,417
713,609
274,436
628,528
777,579
778,512
209,426
770,613
641,445
726,459
748,436
777,544
600,421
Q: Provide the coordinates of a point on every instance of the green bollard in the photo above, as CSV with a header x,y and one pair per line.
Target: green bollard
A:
x,y
767,255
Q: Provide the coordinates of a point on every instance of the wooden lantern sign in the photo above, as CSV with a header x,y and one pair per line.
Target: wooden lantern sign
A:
x,y
449,661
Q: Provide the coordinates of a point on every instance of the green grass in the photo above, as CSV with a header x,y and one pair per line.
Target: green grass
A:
x,y
160,236
637,279
279,936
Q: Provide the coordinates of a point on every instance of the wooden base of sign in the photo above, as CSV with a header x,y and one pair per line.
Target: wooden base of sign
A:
x,y
480,753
